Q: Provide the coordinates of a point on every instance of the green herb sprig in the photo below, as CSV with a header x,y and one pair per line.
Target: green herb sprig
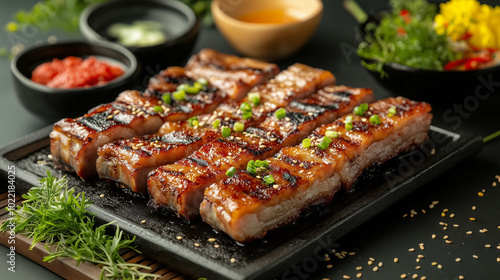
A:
x,y
56,215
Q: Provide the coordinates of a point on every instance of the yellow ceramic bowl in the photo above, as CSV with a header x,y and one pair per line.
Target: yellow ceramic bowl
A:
x,y
267,41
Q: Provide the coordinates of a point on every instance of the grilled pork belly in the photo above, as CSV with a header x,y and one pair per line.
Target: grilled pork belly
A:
x,y
180,186
246,207
149,110
129,161
233,75
74,142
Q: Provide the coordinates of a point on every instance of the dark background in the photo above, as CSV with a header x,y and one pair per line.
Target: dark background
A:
x,y
385,237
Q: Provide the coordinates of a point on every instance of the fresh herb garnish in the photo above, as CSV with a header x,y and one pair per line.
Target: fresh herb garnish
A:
x,y
56,215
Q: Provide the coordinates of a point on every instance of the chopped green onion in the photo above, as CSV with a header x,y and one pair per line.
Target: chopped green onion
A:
x,y
375,119
323,144
179,95
280,113
182,87
247,115
332,134
364,106
358,111
348,119
167,98
245,107
193,121
269,179
192,90
254,97
231,171
198,86
264,163
226,131
392,111
348,126
306,143
216,123
158,109
202,81
239,127
327,140
251,168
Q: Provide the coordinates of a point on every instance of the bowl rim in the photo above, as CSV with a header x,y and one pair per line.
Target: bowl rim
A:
x,y
129,71
183,8
216,7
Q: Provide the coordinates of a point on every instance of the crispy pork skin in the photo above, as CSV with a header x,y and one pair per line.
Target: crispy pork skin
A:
x,y
129,161
233,75
180,186
246,207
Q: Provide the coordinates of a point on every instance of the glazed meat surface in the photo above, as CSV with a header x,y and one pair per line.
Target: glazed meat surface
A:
x,y
129,161
246,207
180,186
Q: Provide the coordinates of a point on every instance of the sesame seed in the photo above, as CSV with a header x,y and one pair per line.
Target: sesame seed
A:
x,y
216,245
414,276
423,211
440,266
375,269
498,259
143,221
417,267
443,214
445,237
452,215
329,266
498,247
473,208
423,278
109,117
445,228
433,151
434,263
372,259
433,236
461,277
458,259
233,260
469,232
346,277
455,225
441,223
359,268
352,253
417,260
405,215
101,196
359,275
472,219
49,156
449,241
494,184
380,264
403,276
196,245
420,256
370,262
396,260
487,246
211,239
179,237
431,206
480,193
411,249
475,256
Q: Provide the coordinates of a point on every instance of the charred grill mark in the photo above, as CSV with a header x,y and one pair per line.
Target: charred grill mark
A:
x,y
100,122
230,67
312,108
345,93
199,162
119,107
290,178
179,138
298,118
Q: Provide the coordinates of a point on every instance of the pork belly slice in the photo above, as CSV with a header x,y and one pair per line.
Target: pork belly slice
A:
x,y
74,142
234,75
180,186
128,166
246,208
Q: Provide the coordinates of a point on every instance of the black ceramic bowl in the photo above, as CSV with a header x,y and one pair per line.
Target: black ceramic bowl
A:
x,y
178,20
435,86
52,104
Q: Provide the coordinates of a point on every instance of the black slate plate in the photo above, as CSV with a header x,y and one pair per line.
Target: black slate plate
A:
x,y
315,231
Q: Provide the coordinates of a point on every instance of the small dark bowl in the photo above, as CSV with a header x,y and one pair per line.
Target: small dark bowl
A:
x,y
179,22
52,104
431,85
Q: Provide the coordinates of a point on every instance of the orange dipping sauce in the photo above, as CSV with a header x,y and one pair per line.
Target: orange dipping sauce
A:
x,y
278,16
75,72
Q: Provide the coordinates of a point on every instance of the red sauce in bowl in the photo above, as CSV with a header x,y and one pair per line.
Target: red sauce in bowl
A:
x,y
75,72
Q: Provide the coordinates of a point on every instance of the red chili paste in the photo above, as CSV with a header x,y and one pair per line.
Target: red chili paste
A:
x,y
74,72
